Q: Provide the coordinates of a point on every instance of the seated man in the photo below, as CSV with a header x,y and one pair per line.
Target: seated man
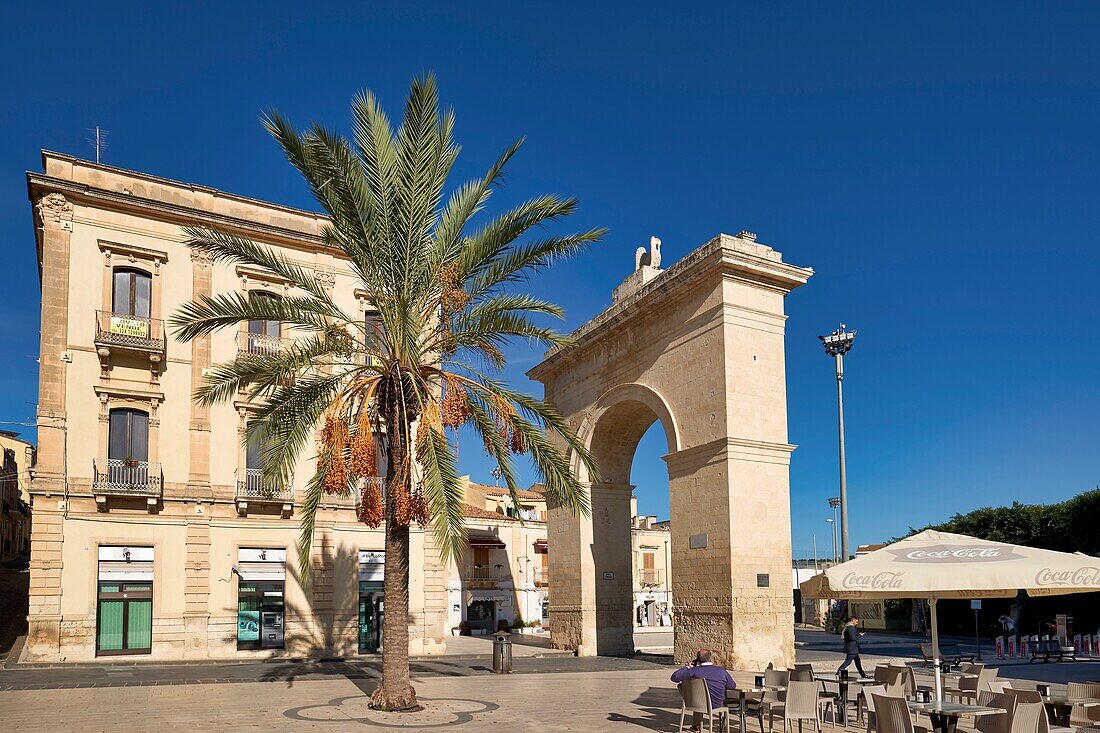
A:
x,y
717,678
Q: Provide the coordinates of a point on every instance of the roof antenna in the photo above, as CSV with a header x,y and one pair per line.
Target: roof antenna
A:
x,y
98,139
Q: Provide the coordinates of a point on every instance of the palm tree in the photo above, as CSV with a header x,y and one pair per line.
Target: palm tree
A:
x,y
447,301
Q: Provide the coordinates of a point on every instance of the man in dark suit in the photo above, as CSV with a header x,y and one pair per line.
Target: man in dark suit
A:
x,y
851,636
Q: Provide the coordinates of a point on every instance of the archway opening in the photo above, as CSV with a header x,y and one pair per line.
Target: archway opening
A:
x,y
651,543
617,553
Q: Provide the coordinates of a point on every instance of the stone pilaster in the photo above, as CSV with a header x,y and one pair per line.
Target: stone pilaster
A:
x,y
44,614
55,214
434,614
322,589
198,479
196,592
55,218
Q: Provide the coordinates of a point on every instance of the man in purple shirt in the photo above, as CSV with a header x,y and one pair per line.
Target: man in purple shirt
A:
x,y
718,681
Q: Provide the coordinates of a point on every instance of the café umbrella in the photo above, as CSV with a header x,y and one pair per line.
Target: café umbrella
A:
x,y
935,565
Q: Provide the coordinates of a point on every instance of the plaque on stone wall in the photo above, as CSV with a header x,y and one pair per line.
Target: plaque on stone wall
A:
x,y
698,541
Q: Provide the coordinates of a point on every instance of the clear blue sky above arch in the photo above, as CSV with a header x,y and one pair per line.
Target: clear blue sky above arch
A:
x,y
936,166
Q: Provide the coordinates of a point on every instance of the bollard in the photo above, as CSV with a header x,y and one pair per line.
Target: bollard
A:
x,y
502,653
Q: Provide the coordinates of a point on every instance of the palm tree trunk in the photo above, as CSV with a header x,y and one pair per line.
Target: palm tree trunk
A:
x,y
396,691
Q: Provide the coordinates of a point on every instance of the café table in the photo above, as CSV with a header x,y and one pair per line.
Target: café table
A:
x,y
1061,706
741,693
945,715
842,685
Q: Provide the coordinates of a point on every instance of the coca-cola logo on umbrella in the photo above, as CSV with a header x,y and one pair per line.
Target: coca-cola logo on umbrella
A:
x,y
886,580
1088,576
955,554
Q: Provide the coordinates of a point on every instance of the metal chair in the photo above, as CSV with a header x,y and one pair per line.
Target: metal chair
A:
x,y
695,697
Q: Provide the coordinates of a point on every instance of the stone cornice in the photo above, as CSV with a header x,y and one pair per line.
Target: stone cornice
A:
x,y
732,256
726,445
39,184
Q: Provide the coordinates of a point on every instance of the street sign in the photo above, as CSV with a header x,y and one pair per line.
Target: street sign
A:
x,y
976,605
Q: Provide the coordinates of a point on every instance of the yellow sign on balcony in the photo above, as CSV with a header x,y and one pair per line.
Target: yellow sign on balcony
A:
x,y
122,326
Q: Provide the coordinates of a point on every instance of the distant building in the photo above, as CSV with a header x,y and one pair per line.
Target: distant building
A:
x,y
651,543
504,575
15,499
502,578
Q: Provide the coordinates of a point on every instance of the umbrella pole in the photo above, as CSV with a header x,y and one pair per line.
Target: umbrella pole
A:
x,y
936,649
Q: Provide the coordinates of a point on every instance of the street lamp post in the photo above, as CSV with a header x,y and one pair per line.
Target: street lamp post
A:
x,y
832,523
837,344
834,502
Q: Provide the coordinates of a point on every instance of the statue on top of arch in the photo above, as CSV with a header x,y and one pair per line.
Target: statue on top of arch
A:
x,y
652,258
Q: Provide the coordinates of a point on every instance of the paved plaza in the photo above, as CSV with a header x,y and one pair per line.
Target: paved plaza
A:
x,y
547,692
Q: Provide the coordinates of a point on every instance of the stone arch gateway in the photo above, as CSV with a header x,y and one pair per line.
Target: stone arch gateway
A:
x,y
699,348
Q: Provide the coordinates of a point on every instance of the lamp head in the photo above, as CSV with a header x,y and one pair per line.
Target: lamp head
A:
x,y
839,342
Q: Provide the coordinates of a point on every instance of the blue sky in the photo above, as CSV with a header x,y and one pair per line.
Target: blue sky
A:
x,y
937,167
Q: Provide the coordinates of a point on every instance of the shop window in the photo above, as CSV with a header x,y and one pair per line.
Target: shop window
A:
x,y
124,604
372,606
261,606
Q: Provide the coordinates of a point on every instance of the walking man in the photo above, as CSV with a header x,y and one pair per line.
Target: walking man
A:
x,y
851,636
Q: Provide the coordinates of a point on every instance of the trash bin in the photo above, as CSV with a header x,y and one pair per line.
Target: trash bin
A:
x,y
502,653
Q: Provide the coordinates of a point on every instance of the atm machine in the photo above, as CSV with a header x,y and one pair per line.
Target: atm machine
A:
x,y
271,627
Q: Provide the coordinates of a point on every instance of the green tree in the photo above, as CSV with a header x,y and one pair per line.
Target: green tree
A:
x,y
447,301
1066,526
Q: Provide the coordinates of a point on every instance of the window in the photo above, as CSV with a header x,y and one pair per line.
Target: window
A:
x,y
132,293
262,326
129,436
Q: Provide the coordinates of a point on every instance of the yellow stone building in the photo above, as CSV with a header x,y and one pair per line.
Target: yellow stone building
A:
x,y
154,533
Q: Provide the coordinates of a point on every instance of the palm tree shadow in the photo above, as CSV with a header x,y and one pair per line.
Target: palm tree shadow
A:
x,y
320,638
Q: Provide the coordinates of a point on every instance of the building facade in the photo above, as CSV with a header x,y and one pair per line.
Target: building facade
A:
x,y
652,552
154,531
502,578
15,499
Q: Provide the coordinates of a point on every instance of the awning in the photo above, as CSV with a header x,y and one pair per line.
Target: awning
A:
x,y
488,543
541,546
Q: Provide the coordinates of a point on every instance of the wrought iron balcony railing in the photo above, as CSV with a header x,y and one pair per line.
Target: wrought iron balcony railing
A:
x,y
484,572
252,486
122,477
260,344
649,577
122,330
355,497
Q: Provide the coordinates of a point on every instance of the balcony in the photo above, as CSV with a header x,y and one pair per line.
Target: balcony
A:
x,y
260,344
541,576
649,577
126,478
355,497
125,331
253,488
483,573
